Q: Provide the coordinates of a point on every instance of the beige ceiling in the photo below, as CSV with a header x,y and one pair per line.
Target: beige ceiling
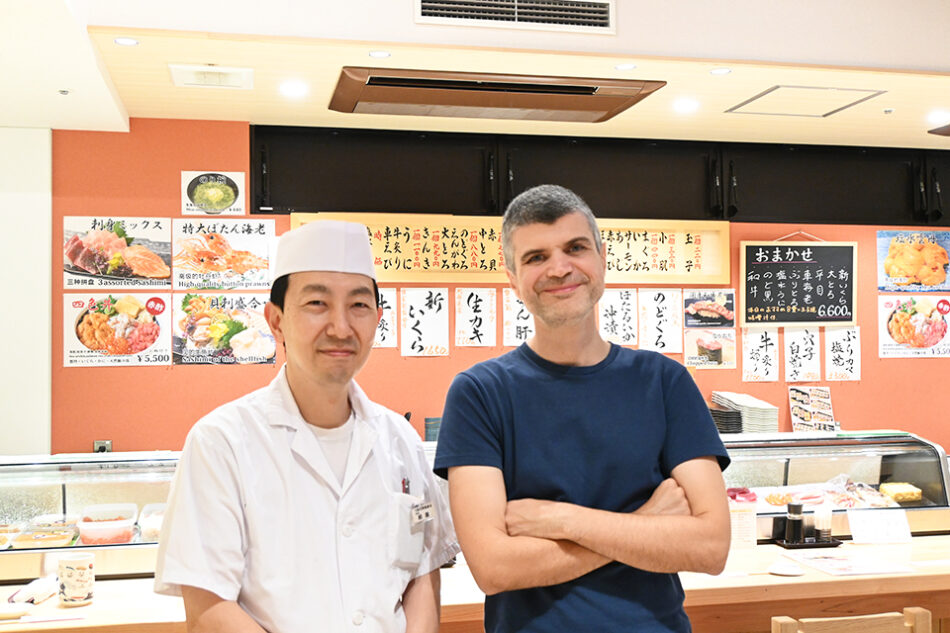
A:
x,y
143,82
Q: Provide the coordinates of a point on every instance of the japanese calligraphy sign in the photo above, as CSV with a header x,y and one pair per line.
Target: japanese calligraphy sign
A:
x,y
112,252
475,317
798,283
913,326
222,254
913,261
112,330
425,321
661,319
802,355
226,329
617,315
842,353
467,249
212,193
386,329
517,323
760,354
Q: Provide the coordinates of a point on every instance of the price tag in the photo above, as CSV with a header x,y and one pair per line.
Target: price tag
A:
x,y
422,512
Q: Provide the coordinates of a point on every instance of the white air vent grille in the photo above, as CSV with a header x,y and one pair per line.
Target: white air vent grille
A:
x,y
209,76
555,15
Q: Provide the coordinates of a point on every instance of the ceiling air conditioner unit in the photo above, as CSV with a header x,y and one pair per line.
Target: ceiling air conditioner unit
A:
x,y
485,95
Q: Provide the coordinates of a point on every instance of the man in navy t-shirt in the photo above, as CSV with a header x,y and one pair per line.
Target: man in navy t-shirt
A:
x,y
582,475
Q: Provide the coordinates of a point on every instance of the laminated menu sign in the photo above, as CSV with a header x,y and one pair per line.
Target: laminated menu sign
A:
x,y
386,328
221,330
759,354
842,353
222,254
802,354
424,314
116,329
517,323
798,283
212,193
709,307
913,326
714,348
116,252
811,408
913,261
661,319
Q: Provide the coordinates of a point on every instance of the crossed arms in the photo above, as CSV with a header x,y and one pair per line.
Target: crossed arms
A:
x,y
525,543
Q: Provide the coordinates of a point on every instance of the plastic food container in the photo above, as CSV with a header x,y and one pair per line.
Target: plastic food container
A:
x,y
150,521
107,523
53,522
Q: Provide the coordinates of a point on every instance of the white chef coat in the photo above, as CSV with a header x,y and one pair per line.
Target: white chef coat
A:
x,y
256,515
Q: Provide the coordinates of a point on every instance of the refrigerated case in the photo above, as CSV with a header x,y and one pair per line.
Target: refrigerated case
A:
x,y
835,469
114,500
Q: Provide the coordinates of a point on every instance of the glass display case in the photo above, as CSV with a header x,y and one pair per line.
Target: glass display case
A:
x,y
108,503
843,471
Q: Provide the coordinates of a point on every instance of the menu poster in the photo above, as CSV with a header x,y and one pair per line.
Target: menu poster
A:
x,y
424,321
115,252
811,408
212,193
113,330
386,329
798,283
221,330
802,355
222,254
517,323
913,261
661,320
617,311
913,326
760,355
842,353
711,307
714,348
476,317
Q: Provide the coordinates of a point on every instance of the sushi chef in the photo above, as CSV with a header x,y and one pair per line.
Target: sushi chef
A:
x,y
305,506
554,450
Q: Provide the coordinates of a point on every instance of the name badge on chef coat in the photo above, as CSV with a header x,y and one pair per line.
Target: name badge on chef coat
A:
x,y
421,513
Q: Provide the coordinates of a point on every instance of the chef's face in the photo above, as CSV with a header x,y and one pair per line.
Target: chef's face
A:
x,y
558,272
327,325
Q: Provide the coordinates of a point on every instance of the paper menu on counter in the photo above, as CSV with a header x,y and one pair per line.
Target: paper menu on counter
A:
x,y
847,561
879,526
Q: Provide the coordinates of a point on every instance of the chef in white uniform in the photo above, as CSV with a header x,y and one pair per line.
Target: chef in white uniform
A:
x,y
304,506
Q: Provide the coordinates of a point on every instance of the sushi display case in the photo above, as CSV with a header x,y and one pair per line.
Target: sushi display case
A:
x,y
840,472
110,504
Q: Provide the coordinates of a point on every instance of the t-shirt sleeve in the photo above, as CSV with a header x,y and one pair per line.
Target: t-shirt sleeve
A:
x,y
690,430
470,430
203,537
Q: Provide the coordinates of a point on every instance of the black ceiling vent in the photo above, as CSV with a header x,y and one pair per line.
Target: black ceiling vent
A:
x,y
554,15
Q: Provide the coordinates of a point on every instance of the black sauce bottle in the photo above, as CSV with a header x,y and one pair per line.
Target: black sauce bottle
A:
x,y
794,524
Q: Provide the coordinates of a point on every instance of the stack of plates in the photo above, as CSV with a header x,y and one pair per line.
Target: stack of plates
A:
x,y
758,416
727,420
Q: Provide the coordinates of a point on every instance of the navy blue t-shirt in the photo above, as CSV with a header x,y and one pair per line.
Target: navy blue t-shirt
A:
x,y
603,437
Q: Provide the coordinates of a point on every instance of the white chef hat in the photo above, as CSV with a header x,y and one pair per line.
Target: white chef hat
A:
x,y
325,245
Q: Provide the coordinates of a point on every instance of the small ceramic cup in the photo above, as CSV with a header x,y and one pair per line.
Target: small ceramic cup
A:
x,y
76,579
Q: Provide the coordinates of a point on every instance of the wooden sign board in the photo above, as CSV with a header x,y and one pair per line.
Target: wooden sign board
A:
x,y
798,283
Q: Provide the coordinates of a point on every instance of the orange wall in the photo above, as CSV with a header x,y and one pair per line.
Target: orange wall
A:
x,y
142,408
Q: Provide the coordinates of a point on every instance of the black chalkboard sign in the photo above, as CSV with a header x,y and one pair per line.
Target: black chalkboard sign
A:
x,y
798,283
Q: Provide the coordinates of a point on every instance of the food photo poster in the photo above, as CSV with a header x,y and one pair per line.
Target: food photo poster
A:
x,y
913,261
212,193
103,329
913,326
222,254
219,329
116,252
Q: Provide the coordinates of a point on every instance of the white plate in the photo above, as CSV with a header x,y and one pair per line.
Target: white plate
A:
x,y
12,611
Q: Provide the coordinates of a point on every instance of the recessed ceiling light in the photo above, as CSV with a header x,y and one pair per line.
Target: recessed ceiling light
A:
x,y
625,66
938,117
685,105
379,54
294,89
720,71
888,110
63,92
126,41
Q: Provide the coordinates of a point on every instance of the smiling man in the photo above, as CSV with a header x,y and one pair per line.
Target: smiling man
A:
x,y
582,475
292,508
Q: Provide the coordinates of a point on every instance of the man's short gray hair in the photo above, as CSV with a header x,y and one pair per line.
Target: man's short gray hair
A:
x,y
544,204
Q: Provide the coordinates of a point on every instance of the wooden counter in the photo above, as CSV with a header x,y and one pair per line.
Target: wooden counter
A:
x,y
740,600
